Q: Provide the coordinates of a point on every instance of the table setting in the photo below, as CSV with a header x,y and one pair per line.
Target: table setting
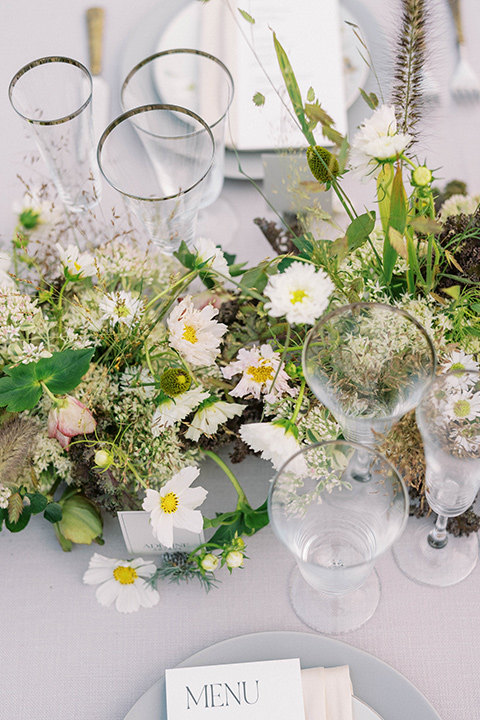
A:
x,y
240,360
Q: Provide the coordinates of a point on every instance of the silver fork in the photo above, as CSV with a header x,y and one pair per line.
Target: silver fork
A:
x,y
464,85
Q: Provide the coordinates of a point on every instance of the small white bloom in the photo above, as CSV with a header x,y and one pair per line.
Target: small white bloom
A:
x,y
234,559
4,495
457,361
210,562
77,263
258,367
33,353
376,141
463,405
466,440
207,251
122,582
210,416
459,204
174,506
175,409
300,293
194,333
275,442
121,307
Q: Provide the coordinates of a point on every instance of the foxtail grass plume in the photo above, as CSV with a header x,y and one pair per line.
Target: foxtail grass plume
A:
x,y
17,441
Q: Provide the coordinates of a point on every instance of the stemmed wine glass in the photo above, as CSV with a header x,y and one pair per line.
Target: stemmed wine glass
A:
x,y
158,157
369,364
448,418
336,527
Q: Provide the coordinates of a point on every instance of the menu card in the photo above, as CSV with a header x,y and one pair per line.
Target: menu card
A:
x,y
246,691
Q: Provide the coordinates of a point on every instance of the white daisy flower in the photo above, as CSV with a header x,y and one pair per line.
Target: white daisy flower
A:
x,y
75,262
208,251
122,582
121,307
174,506
457,361
300,293
210,416
173,410
462,405
276,443
377,141
466,440
258,367
194,333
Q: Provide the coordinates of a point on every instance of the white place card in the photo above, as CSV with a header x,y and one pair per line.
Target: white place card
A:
x,y
250,691
140,540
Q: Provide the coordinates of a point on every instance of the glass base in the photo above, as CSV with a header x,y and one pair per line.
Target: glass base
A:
x,y
431,566
334,614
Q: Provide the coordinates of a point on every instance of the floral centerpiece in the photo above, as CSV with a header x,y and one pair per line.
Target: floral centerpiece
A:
x,y
122,368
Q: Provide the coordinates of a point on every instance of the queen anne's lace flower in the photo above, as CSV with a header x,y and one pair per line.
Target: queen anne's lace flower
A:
x,y
300,293
122,582
194,333
377,141
174,506
211,414
172,410
258,367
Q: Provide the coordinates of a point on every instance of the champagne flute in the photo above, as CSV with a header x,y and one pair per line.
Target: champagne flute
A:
x,y
448,418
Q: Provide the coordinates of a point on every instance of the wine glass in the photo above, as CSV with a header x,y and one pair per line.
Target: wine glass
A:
x,y
192,79
54,96
158,157
448,418
336,527
369,364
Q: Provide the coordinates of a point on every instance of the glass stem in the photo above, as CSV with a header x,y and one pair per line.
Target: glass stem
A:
x,y
438,537
360,466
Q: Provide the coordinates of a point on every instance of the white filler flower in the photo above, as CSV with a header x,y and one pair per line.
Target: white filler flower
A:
x,y
121,307
208,252
211,414
300,293
77,263
377,141
174,506
275,442
259,368
194,333
122,582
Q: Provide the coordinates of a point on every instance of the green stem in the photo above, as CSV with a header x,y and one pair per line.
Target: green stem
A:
x,y
242,498
59,305
284,353
49,392
298,404
184,280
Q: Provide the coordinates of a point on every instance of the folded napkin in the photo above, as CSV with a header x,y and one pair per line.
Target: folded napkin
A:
x,y
327,693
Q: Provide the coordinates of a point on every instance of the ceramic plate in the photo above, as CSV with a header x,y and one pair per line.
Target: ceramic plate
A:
x,y
378,685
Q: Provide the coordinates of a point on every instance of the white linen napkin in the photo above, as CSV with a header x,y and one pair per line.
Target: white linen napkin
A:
x,y
327,693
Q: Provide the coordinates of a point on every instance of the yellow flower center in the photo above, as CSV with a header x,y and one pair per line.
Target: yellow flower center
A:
x,y
189,334
461,408
262,373
457,366
125,575
298,296
77,266
169,503
121,309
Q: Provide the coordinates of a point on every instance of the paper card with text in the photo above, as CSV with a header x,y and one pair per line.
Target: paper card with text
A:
x,y
140,540
250,691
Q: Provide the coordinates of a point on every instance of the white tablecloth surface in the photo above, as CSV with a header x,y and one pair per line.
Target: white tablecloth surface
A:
x,y
62,655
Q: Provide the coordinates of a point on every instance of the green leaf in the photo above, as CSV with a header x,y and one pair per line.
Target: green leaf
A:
x,y
19,389
38,502
255,279
259,99
293,89
257,519
21,523
15,507
53,512
305,244
371,99
246,16
359,230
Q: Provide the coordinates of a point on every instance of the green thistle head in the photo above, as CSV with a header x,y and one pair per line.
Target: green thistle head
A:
x,y
324,169
175,381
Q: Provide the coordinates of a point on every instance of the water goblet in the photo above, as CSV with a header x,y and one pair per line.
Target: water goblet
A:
x,y
448,418
369,364
54,96
336,528
192,79
158,157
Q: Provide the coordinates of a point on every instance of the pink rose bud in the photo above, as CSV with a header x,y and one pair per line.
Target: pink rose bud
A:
x,y
68,418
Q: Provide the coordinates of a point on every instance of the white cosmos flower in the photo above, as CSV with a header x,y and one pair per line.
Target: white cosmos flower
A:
x,y
376,141
211,414
207,250
300,293
458,361
173,410
275,442
121,307
194,333
122,582
77,263
174,506
258,367
462,405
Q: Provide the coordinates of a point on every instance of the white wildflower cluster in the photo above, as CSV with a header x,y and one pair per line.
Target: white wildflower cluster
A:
x,y
459,204
22,326
124,258
5,493
49,456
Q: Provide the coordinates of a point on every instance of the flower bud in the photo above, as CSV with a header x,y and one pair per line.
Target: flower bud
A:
x,y
103,458
234,559
209,562
421,176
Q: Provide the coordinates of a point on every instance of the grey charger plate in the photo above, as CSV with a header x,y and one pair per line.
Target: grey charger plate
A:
x,y
381,687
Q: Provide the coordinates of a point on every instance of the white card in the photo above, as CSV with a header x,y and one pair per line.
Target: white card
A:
x,y
240,691
140,540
